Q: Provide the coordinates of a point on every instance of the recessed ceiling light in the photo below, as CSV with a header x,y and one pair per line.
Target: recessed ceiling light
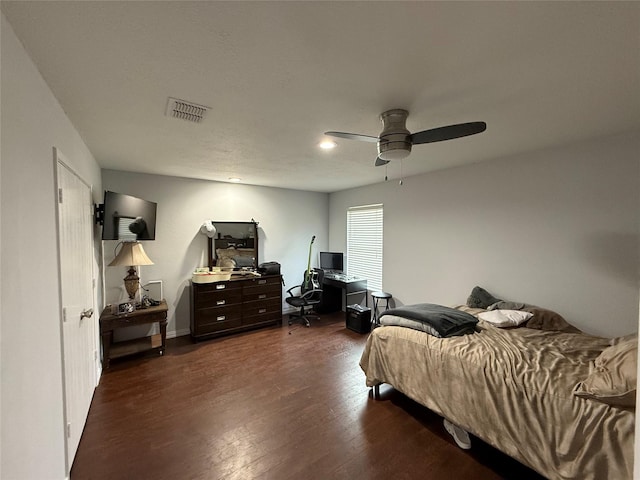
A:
x,y
327,145
234,179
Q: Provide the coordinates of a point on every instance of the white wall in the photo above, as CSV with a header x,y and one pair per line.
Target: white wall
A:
x,y
287,221
32,429
556,228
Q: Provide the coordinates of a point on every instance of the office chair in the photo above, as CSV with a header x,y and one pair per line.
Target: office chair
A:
x,y
306,300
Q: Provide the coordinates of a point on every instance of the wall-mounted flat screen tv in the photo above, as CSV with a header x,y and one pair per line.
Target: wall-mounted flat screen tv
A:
x,y
128,218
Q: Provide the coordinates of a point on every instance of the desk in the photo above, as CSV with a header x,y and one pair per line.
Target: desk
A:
x,y
110,322
337,291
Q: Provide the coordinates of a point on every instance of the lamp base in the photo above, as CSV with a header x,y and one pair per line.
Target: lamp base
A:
x,y
131,283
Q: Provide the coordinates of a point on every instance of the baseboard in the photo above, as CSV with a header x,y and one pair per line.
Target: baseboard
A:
x,y
178,333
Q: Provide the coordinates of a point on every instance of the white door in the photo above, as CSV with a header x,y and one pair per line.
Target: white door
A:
x,y
75,243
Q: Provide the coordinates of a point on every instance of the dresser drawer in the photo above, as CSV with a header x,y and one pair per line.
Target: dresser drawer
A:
x,y
262,292
271,317
204,329
263,281
216,287
250,309
220,316
218,298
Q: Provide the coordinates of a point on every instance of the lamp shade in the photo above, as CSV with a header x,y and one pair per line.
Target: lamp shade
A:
x,y
130,254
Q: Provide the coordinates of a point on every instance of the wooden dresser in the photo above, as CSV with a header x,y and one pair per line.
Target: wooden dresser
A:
x,y
239,304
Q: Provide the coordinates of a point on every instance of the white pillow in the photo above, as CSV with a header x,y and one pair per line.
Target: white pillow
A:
x,y
505,318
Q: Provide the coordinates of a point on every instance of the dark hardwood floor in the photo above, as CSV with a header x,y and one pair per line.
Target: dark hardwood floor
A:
x,y
277,403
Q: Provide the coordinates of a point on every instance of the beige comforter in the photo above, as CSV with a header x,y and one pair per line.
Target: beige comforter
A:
x,y
512,388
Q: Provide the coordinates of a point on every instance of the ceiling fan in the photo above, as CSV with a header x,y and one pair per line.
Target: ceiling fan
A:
x,y
395,141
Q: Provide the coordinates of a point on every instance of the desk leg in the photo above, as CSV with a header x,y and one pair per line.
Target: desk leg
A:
x,y
163,334
107,338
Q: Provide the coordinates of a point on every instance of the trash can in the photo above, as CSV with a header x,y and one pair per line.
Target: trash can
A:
x,y
359,318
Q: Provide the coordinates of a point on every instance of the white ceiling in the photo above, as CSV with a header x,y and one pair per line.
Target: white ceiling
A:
x,y
278,74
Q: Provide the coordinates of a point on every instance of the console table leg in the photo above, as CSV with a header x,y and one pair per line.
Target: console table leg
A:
x,y
163,334
107,338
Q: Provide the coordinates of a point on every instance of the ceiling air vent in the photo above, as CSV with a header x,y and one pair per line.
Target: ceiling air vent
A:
x,y
192,112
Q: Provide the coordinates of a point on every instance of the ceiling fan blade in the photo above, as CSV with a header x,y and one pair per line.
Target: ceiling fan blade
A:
x,y
448,133
353,136
380,162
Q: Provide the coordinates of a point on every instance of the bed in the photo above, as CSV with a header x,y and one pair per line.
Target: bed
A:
x,y
537,395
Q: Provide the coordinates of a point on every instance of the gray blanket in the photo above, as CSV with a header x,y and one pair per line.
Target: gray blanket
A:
x,y
436,320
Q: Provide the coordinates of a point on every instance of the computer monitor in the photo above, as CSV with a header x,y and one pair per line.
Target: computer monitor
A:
x,y
332,261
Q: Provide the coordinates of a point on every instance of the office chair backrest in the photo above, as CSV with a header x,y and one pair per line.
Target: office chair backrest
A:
x,y
318,274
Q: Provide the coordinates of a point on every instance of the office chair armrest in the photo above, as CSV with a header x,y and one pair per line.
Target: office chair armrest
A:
x,y
293,288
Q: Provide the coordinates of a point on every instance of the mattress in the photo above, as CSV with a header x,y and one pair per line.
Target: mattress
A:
x,y
513,388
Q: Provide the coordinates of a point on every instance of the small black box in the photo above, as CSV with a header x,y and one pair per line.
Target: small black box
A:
x,y
359,318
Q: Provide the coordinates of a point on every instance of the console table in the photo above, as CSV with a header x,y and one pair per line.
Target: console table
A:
x,y
110,322
235,305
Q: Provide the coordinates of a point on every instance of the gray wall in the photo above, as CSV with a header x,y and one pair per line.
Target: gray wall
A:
x,y
32,411
557,228
287,221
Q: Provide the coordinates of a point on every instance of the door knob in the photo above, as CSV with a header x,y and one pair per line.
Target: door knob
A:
x,y
86,313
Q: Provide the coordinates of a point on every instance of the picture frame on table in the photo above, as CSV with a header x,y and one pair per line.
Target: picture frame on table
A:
x,y
127,307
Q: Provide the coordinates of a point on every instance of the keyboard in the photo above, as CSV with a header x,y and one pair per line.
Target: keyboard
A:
x,y
340,277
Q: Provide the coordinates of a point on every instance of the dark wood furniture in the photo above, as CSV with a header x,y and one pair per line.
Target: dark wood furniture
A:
x,y
239,236
110,322
339,290
238,304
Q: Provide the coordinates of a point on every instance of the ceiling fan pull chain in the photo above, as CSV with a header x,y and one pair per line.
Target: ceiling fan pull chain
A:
x,y
401,174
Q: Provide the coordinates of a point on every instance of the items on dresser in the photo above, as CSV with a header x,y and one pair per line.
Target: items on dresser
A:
x,y
239,304
216,274
233,245
269,268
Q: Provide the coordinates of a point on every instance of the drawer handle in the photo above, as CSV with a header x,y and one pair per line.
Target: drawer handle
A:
x,y
221,302
262,310
264,295
261,282
221,286
220,318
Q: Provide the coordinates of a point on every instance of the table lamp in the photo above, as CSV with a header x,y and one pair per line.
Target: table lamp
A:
x,y
130,255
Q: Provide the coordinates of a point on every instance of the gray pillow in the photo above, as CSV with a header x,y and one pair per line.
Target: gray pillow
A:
x,y
503,305
480,298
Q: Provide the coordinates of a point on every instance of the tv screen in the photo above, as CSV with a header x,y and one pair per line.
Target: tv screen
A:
x,y
332,261
128,218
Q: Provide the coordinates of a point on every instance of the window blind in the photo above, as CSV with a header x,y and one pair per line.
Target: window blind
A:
x,y
364,243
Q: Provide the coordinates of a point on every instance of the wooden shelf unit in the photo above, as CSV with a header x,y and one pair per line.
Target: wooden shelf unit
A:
x,y
110,322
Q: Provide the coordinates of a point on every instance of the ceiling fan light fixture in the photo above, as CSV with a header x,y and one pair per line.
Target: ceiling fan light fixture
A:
x,y
392,155
327,145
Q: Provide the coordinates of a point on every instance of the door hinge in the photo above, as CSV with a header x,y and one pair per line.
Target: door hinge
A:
x,y
64,314
68,429
59,195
